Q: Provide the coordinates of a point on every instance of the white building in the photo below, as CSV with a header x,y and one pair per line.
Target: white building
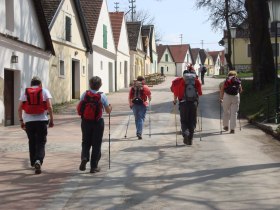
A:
x,y
166,63
25,49
122,77
102,60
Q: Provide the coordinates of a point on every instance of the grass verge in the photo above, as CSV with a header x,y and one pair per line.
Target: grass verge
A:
x,y
253,104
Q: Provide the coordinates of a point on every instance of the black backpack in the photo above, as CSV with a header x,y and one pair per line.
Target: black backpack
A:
x,y
190,89
138,92
232,85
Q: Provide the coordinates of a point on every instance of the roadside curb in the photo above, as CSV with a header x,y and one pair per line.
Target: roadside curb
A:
x,y
267,129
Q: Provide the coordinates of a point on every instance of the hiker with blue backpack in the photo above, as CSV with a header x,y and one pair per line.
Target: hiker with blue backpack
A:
x,y
230,99
187,90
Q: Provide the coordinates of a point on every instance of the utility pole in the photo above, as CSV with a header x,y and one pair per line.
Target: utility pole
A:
x,y
132,9
202,44
181,37
116,6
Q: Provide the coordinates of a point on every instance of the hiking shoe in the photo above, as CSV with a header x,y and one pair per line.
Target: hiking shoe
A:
x,y
186,139
83,165
37,166
232,131
139,136
94,170
226,128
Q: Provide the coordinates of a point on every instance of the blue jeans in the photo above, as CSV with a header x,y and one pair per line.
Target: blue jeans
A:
x,y
139,112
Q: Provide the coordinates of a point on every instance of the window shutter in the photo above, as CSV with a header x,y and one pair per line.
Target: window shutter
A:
x,y
105,36
68,29
166,57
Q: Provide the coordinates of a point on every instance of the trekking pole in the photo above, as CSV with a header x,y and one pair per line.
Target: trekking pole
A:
x,y
127,126
201,124
239,119
175,113
221,118
109,140
150,118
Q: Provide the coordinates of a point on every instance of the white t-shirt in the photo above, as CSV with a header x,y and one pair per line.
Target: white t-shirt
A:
x,y
36,117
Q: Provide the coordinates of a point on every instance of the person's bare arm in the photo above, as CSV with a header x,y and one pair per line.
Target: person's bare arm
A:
x,y
50,110
108,109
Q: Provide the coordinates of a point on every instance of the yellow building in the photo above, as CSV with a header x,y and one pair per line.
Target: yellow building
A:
x,y
241,49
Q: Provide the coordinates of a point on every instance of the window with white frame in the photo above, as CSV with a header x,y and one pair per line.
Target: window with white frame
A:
x,y
68,28
84,70
101,65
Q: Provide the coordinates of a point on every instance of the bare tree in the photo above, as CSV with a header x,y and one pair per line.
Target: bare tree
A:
x,y
223,15
146,18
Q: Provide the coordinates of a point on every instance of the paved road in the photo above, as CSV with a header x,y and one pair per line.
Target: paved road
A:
x,y
228,171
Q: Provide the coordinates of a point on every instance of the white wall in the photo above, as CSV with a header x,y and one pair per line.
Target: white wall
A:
x,y
104,18
104,72
26,24
31,62
121,58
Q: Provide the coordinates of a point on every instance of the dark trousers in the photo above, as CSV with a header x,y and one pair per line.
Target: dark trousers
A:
x,y
202,78
37,134
188,116
92,134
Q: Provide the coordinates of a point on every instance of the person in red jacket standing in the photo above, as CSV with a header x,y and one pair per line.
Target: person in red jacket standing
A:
x,y
187,90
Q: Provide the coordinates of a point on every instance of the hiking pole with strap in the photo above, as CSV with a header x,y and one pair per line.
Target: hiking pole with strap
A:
x,y
175,113
150,118
109,140
127,126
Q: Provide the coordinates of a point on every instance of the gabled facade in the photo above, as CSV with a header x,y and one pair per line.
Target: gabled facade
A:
x,y
196,59
166,64
206,60
216,56
122,77
25,49
137,54
182,57
102,60
149,32
68,69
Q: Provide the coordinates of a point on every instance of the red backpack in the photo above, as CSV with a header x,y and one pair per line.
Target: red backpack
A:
x,y
34,103
91,107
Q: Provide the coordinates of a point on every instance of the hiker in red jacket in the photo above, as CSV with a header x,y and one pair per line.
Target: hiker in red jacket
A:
x,y
187,90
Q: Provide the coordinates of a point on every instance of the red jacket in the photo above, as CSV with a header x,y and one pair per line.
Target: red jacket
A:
x,y
145,96
178,87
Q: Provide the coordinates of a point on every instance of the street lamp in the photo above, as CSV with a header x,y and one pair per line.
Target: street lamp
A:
x,y
274,9
233,36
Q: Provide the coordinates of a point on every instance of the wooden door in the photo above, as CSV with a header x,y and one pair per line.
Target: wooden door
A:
x,y
9,97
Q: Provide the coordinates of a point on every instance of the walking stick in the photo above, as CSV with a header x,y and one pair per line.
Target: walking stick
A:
x,y
175,112
127,126
201,124
109,140
150,118
199,121
221,118
239,119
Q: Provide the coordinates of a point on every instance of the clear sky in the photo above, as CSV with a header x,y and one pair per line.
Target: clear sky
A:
x,y
175,17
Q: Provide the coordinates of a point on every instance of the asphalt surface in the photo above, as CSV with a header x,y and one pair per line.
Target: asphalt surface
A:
x,y
219,171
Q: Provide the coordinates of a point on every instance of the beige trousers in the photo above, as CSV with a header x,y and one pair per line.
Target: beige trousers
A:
x,y
230,107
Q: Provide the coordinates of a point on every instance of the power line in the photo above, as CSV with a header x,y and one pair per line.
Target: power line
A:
x,y
132,8
116,6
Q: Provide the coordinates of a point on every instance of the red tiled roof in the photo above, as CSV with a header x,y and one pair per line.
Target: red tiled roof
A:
x,y
214,55
160,50
179,52
116,22
203,56
91,10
